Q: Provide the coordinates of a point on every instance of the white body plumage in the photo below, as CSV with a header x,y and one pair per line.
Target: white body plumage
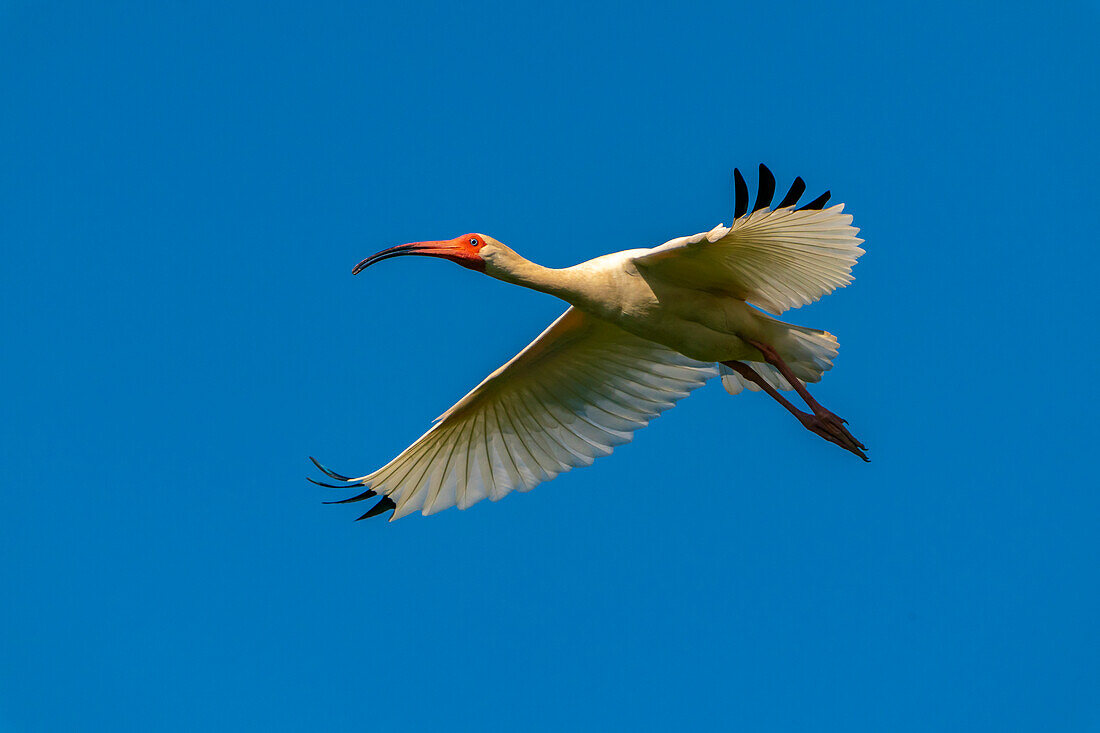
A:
x,y
646,327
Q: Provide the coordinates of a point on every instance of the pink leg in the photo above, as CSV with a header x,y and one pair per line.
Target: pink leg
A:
x,y
822,422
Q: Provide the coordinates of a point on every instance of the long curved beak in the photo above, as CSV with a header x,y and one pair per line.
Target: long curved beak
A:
x,y
428,249
451,249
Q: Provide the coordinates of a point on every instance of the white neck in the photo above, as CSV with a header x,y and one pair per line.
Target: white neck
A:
x,y
589,286
504,264
519,271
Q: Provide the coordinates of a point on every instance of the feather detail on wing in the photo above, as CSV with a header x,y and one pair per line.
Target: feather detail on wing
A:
x,y
580,389
776,259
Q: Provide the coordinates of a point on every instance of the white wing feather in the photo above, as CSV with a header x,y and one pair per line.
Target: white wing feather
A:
x,y
577,391
775,259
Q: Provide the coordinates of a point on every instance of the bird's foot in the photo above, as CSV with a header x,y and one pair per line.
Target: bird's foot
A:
x,y
837,424
831,428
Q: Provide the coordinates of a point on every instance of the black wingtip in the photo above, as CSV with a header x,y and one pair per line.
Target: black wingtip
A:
x,y
351,500
766,190
328,472
332,486
797,189
741,195
383,506
818,203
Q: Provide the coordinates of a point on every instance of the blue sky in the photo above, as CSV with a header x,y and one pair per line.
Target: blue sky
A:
x,y
184,189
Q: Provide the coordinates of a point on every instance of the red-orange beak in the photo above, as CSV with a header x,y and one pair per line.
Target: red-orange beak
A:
x,y
458,250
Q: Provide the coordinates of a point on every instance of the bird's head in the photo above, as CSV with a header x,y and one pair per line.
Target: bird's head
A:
x,y
473,251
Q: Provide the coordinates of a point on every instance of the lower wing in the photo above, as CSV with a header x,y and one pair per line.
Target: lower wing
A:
x,y
577,391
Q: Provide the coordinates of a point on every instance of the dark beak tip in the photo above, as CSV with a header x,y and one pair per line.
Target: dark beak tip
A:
x,y
401,249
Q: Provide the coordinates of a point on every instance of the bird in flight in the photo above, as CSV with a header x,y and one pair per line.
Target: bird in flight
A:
x,y
644,328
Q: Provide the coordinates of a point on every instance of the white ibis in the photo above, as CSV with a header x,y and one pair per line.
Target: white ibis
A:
x,y
644,328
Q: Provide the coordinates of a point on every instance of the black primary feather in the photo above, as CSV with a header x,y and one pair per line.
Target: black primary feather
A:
x,y
818,203
383,506
332,486
797,189
365,495
358,497
766,189
741,195
329,473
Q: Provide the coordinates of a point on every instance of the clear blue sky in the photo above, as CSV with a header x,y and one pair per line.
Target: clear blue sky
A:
x,y
184,190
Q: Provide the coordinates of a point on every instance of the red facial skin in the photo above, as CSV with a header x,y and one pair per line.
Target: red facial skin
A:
x,y
465,250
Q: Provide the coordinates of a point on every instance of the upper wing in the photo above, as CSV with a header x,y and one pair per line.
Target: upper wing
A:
x,y
579,389
775,259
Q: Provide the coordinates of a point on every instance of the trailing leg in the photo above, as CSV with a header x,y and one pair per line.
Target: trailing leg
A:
x,y
816,423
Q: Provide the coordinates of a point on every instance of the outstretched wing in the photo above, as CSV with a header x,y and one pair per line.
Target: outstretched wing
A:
x,y
581,388
774,258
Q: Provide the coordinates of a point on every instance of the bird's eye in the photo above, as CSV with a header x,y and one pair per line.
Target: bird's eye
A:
x,y
473,242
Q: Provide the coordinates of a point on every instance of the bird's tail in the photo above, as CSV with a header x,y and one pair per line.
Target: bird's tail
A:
x,y
808,351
